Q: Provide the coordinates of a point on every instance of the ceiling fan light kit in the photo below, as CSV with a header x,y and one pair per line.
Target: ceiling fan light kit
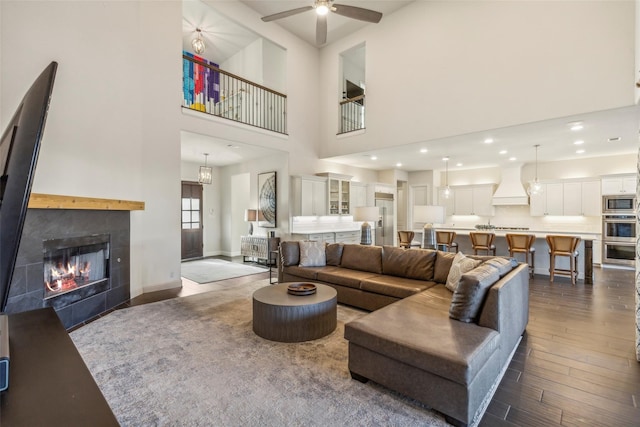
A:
x,y
322,8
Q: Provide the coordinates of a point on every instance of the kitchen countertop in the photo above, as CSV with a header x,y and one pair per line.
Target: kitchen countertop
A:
x,y
585,235
326,230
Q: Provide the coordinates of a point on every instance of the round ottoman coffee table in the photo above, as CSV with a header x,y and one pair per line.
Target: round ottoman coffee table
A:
x,y
279,316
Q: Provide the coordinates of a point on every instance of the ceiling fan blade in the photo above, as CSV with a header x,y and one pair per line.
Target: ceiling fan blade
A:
x,y
357,13
321,29
286,13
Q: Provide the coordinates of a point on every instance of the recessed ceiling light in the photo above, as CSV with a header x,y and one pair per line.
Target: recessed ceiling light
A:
x,y
511,159
614,139
423,150
374,157
458,164
576,126
488,141
398,164
579,142
503,152
445,159
579,151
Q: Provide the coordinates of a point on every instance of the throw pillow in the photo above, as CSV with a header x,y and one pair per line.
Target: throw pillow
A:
x,y
460,265
312,254
334,253
471,292
443,266
503,265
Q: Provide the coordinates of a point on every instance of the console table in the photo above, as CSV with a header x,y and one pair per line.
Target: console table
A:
x,y
259,247
49,384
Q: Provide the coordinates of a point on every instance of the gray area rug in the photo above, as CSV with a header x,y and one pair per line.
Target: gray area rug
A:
x,y
195,361
212,270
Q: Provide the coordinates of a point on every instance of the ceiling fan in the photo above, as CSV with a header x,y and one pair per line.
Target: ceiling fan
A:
x,y
323,7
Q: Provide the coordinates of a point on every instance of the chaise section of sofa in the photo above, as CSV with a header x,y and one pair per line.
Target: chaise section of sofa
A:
x,y
414,347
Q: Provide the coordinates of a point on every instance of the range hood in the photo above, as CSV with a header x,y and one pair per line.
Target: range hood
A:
x,y
510,191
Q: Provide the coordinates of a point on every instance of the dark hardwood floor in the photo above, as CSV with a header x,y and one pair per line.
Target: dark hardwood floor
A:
x,y
575,365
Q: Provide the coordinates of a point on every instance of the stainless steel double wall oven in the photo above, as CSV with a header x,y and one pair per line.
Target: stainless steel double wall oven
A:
x,y
619,229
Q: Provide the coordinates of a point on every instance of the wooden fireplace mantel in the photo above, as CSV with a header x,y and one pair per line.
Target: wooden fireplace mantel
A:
x,y
54,201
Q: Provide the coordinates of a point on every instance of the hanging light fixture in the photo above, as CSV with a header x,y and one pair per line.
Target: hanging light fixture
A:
x,y
535,187
205,175
447,192
198,43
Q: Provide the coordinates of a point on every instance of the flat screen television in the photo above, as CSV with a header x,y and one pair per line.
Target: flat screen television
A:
x,y
19,149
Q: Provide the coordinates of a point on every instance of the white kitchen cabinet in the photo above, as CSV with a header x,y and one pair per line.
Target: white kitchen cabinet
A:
x,y
567,198
339,193
447,202
352,237
549,202
309,195
619,184
469,200
591,198
358,194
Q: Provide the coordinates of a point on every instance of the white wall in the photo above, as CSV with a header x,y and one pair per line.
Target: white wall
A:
x,y
243,177
482,65
112,129
247,63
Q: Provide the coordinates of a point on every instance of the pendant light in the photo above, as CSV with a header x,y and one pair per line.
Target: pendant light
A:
x,y
447,192
535,187
205,175
198,43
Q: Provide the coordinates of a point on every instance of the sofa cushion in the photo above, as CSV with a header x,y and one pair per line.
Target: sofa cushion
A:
x,y
289,253
310,273
413,264
503,265
471,292
418,332
442,266
312,254
334,253
343,276
363,258
460,265
398,287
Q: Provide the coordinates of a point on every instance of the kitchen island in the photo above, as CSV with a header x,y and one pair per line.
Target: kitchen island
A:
x,y
586,248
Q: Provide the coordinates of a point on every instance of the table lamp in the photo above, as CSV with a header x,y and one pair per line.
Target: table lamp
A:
x,y
250,215
366,214
429,214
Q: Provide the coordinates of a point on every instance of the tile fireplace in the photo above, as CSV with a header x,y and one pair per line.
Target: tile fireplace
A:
x,y
74,260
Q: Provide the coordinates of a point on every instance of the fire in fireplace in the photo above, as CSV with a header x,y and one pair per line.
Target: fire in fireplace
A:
x,y
73,263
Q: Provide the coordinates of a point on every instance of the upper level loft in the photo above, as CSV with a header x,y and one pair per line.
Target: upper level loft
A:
x,y
209,89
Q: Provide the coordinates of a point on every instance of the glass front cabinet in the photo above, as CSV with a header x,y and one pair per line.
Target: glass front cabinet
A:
x,y
339,193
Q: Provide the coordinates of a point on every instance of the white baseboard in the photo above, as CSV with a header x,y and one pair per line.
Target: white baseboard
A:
x,y
162,286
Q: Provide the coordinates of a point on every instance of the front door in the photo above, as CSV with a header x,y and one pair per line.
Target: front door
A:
x,y
191,220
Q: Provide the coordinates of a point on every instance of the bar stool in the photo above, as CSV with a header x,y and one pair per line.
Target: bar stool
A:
x,y
446,239
482,242
563,246
405,238
523,243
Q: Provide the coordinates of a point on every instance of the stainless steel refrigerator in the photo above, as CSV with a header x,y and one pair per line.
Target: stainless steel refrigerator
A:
x,y
384,225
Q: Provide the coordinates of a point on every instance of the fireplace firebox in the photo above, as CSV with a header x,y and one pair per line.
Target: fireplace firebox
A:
x,y
74,263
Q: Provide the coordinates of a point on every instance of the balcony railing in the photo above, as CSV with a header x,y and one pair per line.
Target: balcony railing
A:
x,y
352,114
209,89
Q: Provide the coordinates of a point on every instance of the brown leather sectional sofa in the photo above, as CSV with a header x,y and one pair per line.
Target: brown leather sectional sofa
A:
x,y
412,341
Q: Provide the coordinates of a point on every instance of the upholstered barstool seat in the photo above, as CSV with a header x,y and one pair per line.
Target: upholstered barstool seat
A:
x,y
405,238
446,239
563,246
483,242
523,243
